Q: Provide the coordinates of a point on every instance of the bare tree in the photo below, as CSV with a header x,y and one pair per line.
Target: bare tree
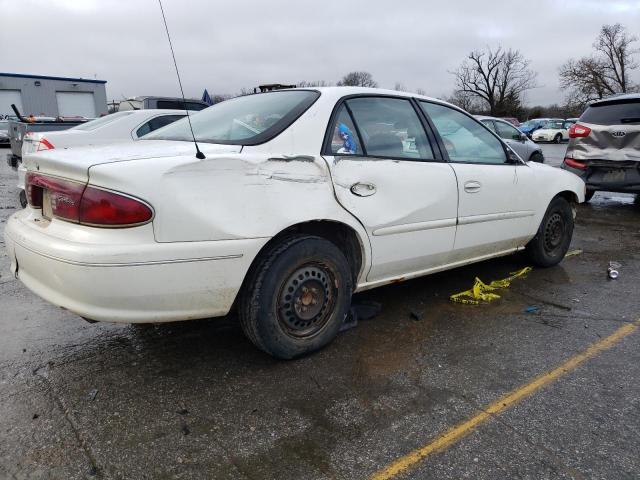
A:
x,y
420,91
606,71
399,87
358,79
314,83
466,101
497,77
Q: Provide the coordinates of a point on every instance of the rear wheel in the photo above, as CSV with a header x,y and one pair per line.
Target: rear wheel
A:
x,y
552,241
557,138
296,297
536,157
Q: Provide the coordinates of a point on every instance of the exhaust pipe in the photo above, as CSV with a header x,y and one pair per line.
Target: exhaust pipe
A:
x,y
15,110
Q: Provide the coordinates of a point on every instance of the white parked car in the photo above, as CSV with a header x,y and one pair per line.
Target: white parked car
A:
x,y
555,131
117,127
304,197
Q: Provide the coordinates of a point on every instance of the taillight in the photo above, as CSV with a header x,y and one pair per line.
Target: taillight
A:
x,y
44,144
104,208
570,162
579,131
80,203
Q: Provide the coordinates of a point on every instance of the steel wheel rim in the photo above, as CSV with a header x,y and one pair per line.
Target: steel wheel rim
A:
x,y
554,231
306,300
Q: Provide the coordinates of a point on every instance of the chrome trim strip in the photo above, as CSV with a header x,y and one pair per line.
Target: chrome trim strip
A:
x,y
490,217
414,227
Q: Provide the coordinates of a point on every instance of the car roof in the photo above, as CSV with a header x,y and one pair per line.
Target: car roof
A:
x,y
339,92
617,97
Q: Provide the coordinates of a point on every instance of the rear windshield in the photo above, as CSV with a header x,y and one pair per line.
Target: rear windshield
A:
x,y
247,120
615,113
180,105
101,122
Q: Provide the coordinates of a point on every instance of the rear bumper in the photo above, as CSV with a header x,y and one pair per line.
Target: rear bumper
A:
x,y
609,178
131,283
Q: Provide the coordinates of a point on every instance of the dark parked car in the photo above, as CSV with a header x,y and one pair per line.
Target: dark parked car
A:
x,y
604,146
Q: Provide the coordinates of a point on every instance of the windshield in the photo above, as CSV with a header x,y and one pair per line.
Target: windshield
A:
x,y
613,113
554,124
100,122
247,120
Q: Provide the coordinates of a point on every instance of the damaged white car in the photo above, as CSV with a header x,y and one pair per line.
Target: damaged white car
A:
x,y
303,197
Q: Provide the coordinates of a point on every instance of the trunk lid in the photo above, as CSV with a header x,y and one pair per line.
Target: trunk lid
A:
x,y
74,163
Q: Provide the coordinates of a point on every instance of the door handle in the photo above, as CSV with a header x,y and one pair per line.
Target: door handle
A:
x,y
363,189
472,186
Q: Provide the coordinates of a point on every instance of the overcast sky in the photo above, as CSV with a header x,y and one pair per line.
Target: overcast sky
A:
x,y
226,45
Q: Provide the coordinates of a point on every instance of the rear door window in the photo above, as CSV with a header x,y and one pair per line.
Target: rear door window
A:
x,y
156,123
613,113
507,132
344,140
390,128
489,124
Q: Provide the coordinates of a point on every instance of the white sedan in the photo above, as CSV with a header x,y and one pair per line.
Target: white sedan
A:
x,y
555,131
117,127
298,199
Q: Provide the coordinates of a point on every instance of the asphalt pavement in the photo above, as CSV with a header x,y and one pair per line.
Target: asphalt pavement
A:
x,y
436,389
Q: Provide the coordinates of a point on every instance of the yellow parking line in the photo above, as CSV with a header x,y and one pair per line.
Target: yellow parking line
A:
x,y
454,434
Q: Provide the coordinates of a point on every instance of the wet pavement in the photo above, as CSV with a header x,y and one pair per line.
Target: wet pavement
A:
x,y
196,400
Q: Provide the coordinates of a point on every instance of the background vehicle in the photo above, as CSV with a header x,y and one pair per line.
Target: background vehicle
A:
x,y
303,197
513,137
532,125
20,126
512,120
604,149
555,131
4,132
116,127
172,103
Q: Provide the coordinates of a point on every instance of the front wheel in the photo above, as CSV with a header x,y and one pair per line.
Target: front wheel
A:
x,y
296,297
537,157
557,138
551,243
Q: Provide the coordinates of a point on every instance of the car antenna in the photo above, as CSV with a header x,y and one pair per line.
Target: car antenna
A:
x,y
199,154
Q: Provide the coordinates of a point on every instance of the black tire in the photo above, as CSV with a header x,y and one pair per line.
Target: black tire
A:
x,y
553,238
22,197
589,195
296,297
557,138
536,157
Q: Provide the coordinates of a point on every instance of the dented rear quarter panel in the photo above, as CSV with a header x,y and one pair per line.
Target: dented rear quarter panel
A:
x,y
601,144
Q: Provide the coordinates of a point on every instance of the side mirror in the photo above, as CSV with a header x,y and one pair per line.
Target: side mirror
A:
x,y
523,137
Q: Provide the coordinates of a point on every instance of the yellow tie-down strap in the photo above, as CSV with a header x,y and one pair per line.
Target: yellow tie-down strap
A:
x,y
480,293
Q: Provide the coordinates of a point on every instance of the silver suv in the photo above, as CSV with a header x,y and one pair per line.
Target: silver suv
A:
x,y
604,146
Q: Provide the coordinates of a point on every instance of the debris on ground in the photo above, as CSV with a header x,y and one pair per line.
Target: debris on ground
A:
x,y
185,430
573,253
92,394
613,270
364,310
480,293
35,416
532,309
182,411
416,316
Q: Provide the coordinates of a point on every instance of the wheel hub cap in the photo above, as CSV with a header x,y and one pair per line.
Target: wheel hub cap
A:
x,y
553,232
306,301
